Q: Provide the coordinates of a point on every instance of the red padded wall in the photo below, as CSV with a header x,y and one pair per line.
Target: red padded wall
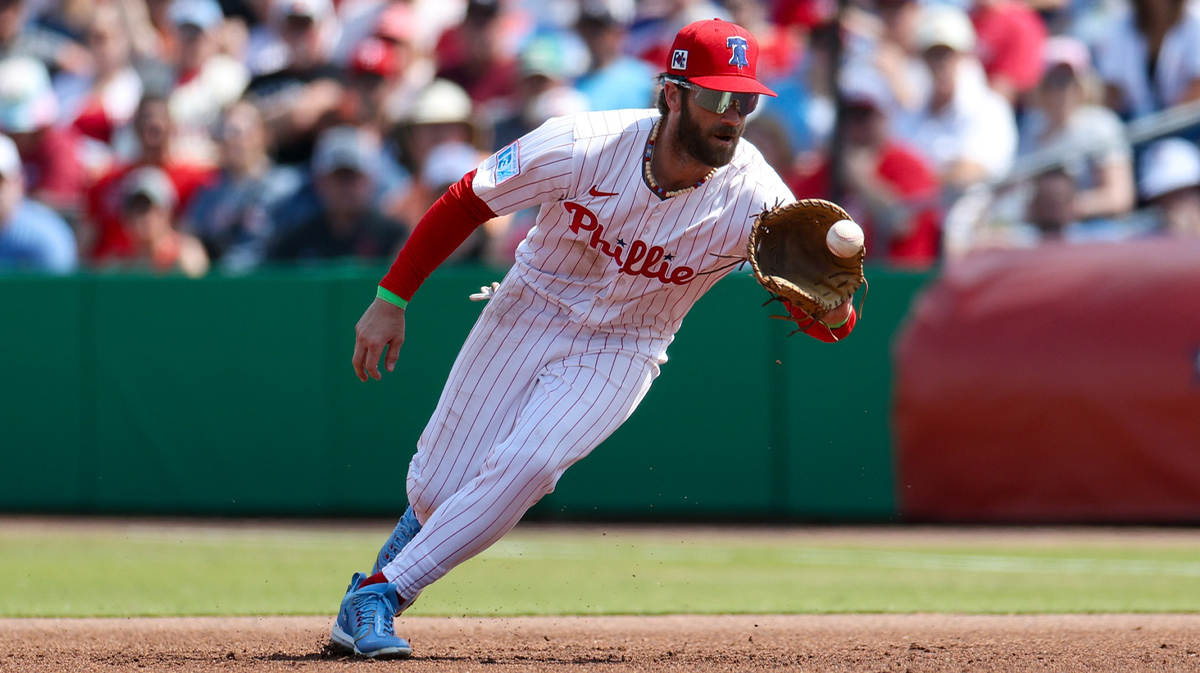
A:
x,y
1060,384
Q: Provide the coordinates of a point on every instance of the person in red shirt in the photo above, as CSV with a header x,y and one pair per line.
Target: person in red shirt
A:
x,y
108,235
890,189
1010,38
473,55
147,202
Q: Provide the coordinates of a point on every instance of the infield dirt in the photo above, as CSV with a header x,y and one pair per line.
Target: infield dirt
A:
x,y
699,644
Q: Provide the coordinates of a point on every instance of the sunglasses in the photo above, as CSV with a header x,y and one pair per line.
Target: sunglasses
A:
x,y
720,101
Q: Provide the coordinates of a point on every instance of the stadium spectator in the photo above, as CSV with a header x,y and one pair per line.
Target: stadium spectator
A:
x,y
22,37
1051,216
348,224
369,75
232,217
614,80
1149,58
651,35
357,20
1009,43
28,111
769,136
205,80
398,22
805,102
362,107
398,27
965,129
301,98
106,234
32,237
373,71
1050,213
891,190
801,15
779,46
1169,181
475,56
445,165
148,201
99,103
881,54
1040,212
548,64
441,113
1088,138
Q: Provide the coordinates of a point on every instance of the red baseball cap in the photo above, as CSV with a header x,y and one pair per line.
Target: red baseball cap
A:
x,y
716,54
375,57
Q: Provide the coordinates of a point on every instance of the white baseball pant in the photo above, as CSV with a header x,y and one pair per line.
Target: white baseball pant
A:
x,y
530,394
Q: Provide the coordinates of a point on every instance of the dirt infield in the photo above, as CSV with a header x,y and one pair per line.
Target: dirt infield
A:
x,y
696,644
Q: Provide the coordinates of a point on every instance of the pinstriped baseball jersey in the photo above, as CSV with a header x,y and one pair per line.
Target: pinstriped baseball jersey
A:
x,y
606,248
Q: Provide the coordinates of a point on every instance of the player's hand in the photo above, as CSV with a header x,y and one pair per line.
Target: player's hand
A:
x,y
379,330
838,315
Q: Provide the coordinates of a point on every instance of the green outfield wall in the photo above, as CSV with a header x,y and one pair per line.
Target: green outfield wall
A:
x,y
235,397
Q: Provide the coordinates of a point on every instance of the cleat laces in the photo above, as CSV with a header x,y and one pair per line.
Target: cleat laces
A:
x,y
367,608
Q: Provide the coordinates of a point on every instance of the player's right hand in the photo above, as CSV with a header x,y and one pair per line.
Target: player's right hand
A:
x,y
379,330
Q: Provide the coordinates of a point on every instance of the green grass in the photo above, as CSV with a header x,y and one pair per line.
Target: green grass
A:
x,y
130,569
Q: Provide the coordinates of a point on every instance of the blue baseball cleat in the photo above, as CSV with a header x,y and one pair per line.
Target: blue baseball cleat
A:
x,y
406,530
365,622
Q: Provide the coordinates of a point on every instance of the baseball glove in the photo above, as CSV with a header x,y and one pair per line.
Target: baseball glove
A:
x,y
790,258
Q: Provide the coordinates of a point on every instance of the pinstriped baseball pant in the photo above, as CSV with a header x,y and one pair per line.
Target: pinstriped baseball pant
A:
x,y
530,394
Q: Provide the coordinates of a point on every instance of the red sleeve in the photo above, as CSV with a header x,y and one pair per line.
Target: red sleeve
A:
x,y
188,179
445,226
913,179
819,330
60,173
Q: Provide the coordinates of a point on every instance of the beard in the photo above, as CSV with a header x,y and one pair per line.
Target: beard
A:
x,y
699,142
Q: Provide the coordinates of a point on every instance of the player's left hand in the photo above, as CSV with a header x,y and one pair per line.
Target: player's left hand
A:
x,y
838,315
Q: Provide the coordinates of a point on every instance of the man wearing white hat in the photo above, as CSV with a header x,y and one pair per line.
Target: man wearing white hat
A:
x,y
966,129
32,237
1170,181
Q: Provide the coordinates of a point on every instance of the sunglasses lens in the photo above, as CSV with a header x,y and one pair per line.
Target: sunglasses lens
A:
x,y
719,101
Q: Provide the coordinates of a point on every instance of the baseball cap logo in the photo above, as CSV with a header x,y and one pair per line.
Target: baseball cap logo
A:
x,y
679,59
738,46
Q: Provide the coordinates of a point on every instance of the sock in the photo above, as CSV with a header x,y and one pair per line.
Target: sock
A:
x,y
377,578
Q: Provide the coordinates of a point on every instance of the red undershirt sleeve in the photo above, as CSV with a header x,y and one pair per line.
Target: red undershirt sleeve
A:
x,y
445,226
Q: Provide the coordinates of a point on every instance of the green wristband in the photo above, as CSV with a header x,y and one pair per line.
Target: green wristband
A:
x,y
391,297
841,324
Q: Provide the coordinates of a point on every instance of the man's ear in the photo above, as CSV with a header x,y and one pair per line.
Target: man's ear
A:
x,y
674,94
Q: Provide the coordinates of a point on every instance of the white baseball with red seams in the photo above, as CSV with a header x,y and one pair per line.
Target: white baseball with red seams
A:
x,y
573,338
845,238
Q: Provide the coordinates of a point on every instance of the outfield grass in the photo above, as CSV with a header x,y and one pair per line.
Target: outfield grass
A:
x,y
49,569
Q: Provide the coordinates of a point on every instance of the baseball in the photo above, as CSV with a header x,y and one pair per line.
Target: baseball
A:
x,y
845,238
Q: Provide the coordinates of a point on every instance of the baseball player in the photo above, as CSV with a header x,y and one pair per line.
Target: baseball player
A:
x,y
637,208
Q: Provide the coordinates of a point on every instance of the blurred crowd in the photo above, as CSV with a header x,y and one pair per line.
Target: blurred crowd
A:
x,y
187,136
